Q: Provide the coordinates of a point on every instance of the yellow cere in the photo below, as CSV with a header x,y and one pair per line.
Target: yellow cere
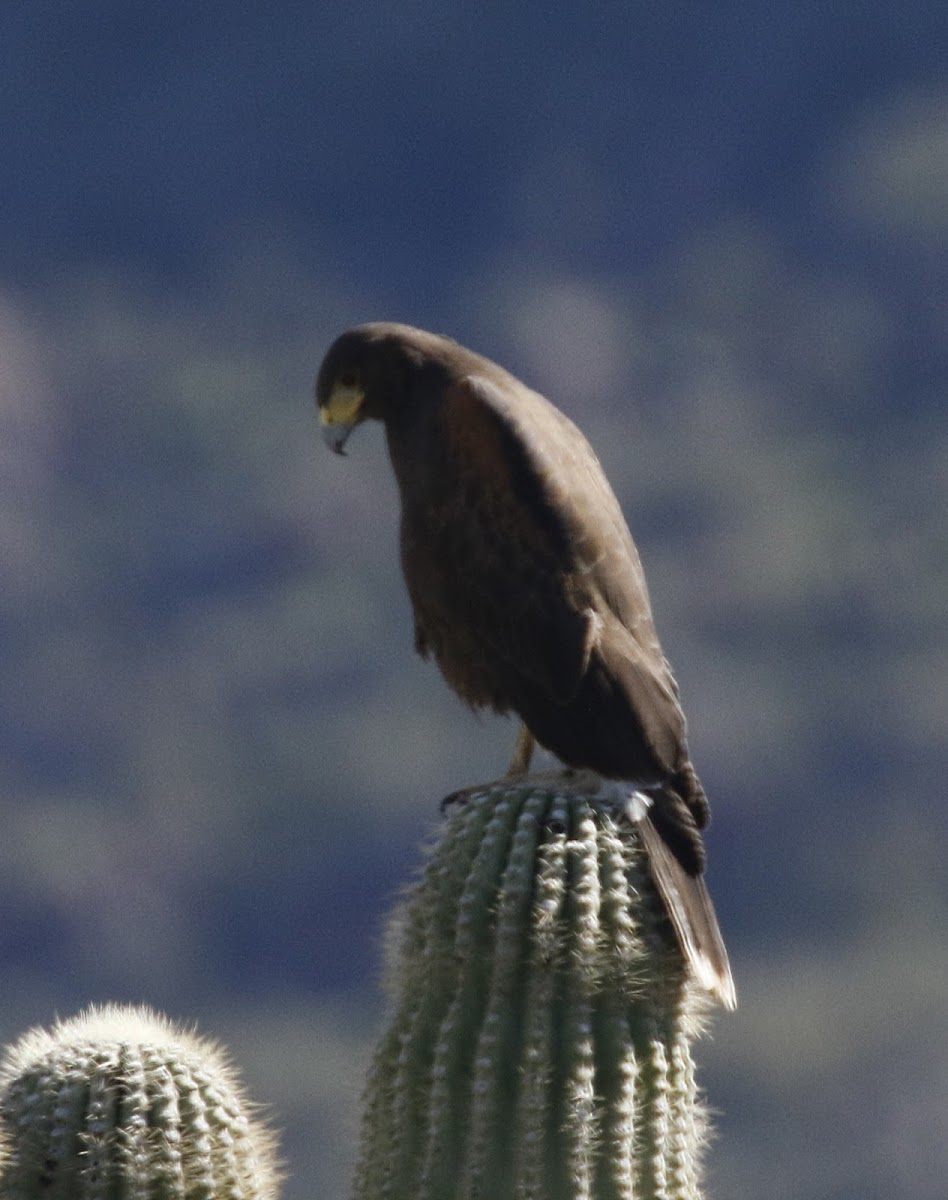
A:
x,y
342,407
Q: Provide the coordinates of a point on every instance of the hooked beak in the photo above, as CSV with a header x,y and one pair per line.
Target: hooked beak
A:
x,y
340,415
336,436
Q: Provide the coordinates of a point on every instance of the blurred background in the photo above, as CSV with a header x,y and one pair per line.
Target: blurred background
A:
x,y
716,236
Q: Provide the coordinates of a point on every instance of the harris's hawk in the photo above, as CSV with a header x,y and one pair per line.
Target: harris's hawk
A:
x,y
528,591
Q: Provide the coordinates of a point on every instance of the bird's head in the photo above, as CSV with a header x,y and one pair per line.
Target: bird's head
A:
x,y
369,372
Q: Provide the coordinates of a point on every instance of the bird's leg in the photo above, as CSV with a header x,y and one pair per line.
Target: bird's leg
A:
x,y
520,763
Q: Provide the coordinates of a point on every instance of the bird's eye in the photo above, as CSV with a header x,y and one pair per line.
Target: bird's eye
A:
x,y
348,379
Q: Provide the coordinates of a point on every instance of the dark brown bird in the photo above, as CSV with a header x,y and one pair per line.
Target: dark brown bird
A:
x,y
527,588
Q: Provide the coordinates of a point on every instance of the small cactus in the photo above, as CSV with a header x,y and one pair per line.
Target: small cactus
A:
x,y
539,1047
118,1104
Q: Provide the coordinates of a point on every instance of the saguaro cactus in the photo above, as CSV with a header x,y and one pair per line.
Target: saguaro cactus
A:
x,y
118,1104
539,1047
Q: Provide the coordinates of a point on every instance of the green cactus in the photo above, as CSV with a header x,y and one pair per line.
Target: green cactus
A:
x,y
539,1047
118,1104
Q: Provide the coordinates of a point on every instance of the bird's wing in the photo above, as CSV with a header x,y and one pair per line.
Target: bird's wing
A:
x,y
539,575
525,548
490,558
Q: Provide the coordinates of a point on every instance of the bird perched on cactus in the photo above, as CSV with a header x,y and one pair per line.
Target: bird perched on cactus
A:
x,y
528,591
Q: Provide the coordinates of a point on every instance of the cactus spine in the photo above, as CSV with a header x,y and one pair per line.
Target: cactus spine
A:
x,y
118,1104
539,1047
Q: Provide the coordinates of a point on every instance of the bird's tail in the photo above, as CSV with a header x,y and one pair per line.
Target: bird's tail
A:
x,y
692,914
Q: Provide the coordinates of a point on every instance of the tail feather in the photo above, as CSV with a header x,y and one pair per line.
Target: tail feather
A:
x,y
692,914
